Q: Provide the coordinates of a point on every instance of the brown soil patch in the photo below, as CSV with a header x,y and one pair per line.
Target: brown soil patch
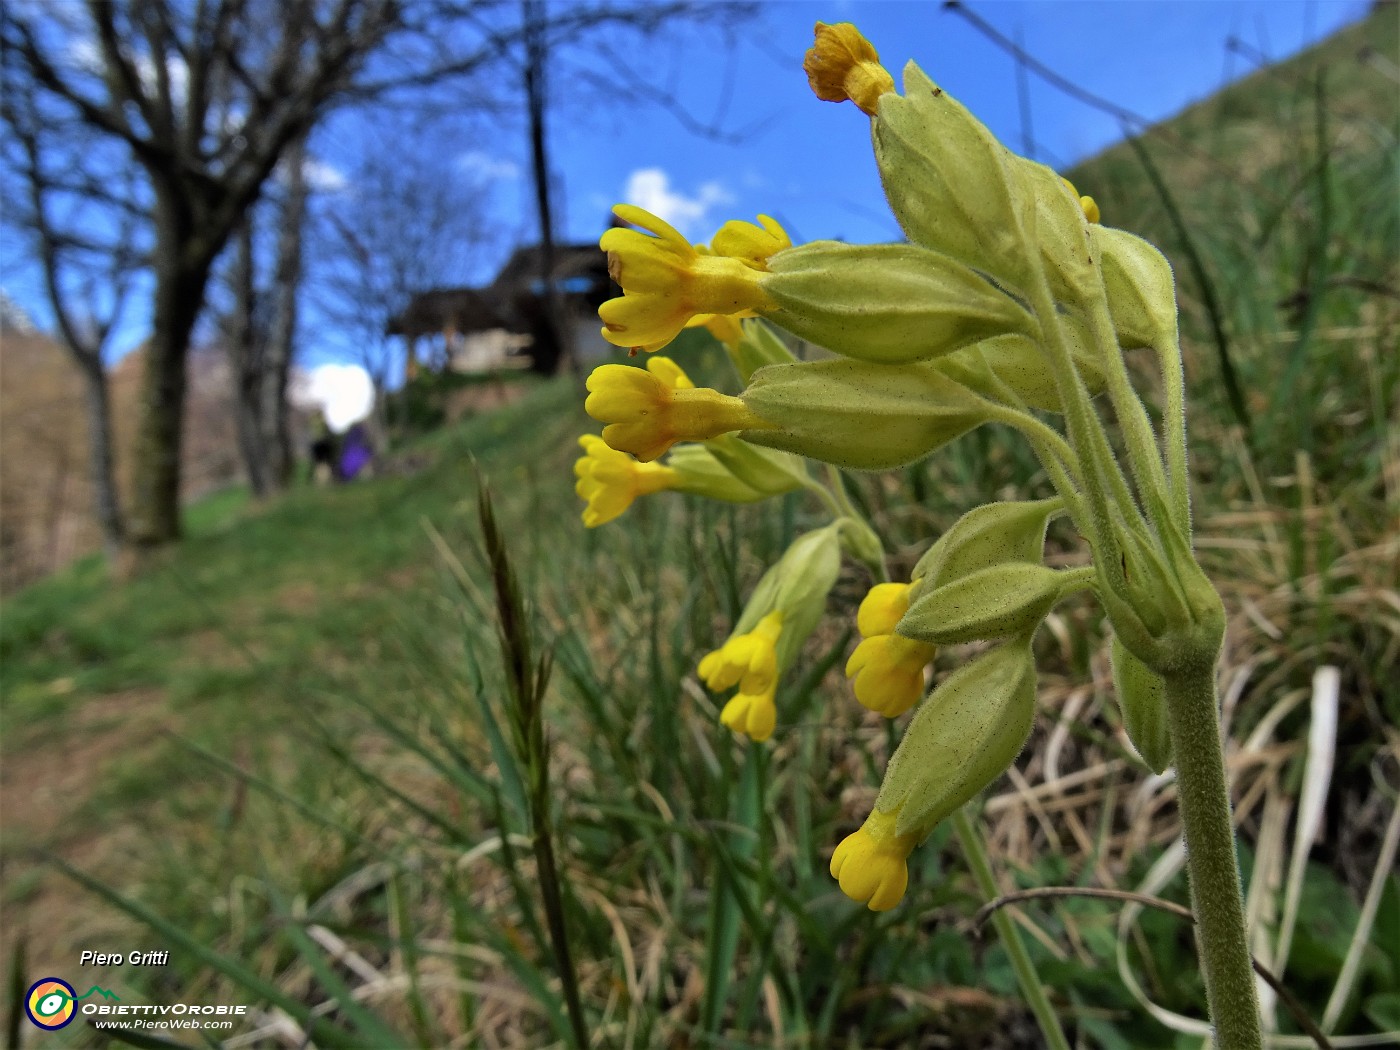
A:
x,y
46,779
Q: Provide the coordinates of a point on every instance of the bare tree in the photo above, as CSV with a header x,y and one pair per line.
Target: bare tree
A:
x,y
406,221
259,328
207,97
82,218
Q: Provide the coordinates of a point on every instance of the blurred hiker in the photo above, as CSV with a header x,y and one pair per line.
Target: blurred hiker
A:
x,y
323,470
356,454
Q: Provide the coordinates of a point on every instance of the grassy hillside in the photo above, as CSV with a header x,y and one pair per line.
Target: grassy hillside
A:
x,y
291,741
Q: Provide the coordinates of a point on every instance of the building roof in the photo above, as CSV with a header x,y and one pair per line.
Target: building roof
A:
x,y
580,273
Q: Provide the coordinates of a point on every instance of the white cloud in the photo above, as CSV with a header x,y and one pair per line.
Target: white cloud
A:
x,y
323,177
489,167
650,188
343,392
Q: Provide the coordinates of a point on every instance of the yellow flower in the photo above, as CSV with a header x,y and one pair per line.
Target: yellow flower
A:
x,y
887,667
724,327
670,373
645,414
883,606
842,65
609,480
666,281
871,864
748,660
750,244
753,714
1090,207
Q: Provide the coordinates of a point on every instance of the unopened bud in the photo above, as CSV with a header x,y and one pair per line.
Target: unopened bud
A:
x,y
947,178
888,303
1138,281
1142,697
1002,601
993,534
860,415
964,736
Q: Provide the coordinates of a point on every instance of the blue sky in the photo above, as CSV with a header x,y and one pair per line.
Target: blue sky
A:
x,y
806,162
809,163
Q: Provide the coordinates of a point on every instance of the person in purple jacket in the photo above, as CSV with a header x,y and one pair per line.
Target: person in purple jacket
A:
x,y
356,454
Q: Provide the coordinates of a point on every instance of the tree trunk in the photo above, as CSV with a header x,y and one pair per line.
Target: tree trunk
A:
x,y
553,336
181,274
106,505
277,361
243,345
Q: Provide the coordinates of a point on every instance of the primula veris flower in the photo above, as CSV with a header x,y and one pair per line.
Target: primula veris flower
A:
x,y
1142,699
843,65
670,373
750,244
1140,288
992,534
724,327
964,736
1087,204
609,481
871,864
888,668
753,714
666,281
860,415
646,415
889,672
748,660
881,608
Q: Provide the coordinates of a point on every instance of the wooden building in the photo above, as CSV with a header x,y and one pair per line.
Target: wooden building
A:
x,y
505,324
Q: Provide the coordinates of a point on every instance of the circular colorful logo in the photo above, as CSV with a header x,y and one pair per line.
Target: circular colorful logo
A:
x,y
49,1003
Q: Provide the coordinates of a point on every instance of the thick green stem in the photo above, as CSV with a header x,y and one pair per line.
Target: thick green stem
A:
x,y
1086,435
1143,453
1029,980
1168,352
1204,801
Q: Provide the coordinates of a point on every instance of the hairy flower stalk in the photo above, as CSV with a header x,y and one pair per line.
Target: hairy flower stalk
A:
x,y
1008,303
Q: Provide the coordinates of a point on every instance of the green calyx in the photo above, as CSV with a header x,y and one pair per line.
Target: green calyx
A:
x,y
990,535
887,303
996,602
964,736
699,473
948,179
860,415
1142,698
758,346
797,586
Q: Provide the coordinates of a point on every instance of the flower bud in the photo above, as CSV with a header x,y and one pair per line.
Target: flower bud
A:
x,y
859,415
698,472
1142,696
964,736
1024,367
993,534
1052,211
757,346
797,586
764,469
1011,599
948,180
1152,588
1138,281
871,864
843,66
887,303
